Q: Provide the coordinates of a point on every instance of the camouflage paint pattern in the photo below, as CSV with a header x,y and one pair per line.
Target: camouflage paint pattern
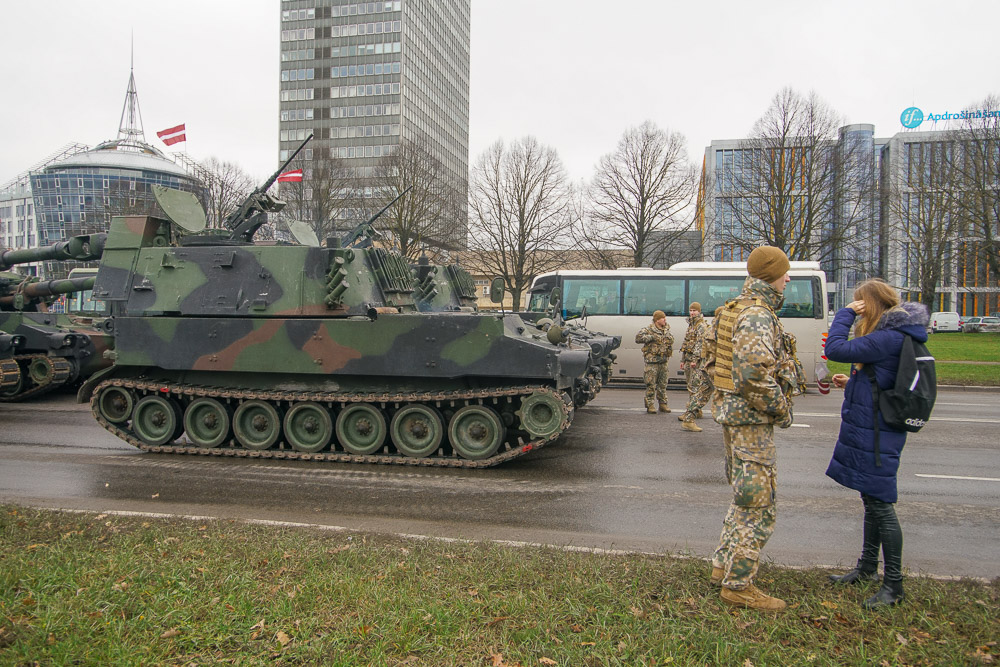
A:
x,y
298,330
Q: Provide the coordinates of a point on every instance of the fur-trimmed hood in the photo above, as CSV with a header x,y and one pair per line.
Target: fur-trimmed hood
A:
x,y
908,313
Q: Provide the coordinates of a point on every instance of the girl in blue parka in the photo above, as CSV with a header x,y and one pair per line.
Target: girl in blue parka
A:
x,y
878,339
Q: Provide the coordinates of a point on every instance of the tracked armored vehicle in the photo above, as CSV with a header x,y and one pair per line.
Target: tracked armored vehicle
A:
x,y
52,349
229,348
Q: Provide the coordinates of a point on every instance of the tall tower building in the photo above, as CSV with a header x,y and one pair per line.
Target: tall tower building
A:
x,y
363,77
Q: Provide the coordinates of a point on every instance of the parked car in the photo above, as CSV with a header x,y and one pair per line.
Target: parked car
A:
x,y
944,321
990,324
971,324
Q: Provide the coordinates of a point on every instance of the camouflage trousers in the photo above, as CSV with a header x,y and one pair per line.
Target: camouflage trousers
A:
x,y
699,387
655,377
750,519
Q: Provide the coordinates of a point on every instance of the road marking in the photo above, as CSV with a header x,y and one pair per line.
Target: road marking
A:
x,y
801,426
958,420
975,479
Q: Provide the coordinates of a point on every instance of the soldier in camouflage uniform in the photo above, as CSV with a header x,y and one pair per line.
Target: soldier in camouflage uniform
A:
x,y
657,346
693,364
749,401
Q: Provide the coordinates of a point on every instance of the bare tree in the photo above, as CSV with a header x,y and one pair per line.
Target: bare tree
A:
x,y
792,186
923,220
328,185
519,212
978,166
428,217
642,196
226,185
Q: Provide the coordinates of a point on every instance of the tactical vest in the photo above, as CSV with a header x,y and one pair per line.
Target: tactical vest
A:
x,y
724,340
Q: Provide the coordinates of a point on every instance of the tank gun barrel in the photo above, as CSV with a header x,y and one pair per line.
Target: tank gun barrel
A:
x,y
83,248
248,218
35,291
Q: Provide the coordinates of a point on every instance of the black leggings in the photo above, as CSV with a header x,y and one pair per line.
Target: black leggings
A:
x,y
882,530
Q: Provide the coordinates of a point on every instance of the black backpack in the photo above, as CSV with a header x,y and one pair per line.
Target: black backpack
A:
x,y
907,406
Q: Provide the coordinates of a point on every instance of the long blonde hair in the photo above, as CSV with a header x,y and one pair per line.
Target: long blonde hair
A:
x,y
879,297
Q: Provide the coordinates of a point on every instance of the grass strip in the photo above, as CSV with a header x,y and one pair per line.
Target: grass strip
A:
x,y
948,347
98,589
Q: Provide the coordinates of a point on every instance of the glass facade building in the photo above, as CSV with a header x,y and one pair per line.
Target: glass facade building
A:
x,y
361,77
872,201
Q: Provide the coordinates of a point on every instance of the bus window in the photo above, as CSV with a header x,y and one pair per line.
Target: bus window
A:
x,y
713,292
600,296
799,300
538,301
645,295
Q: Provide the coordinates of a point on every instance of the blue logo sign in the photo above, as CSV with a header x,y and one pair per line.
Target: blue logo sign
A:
x,y
911,118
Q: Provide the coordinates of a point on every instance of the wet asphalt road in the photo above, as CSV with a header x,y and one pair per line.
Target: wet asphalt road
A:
x,y
617,479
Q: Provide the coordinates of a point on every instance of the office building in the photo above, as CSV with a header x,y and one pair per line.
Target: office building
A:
x,y
363,77
863,204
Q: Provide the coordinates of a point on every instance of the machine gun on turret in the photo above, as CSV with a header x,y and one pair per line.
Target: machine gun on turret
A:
x,y
362,235
252,213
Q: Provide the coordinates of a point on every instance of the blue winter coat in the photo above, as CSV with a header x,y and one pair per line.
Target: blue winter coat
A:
x,y
853,462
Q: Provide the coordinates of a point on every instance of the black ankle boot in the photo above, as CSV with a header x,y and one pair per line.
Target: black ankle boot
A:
x,y
858,575
890,594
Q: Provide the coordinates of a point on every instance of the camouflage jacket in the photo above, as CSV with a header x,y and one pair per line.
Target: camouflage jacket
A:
x,y
657,343
694,338
758,351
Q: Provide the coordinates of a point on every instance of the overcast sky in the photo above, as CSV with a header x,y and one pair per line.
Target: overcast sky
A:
x,y
574,74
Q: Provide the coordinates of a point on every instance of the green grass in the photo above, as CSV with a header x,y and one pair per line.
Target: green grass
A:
x,y
965,346
95,589
948,347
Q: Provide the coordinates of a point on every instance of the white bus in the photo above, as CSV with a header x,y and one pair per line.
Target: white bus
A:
x,y
622,301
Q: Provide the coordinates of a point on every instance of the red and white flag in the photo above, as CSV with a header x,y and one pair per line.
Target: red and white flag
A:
x,y
172,135
294,176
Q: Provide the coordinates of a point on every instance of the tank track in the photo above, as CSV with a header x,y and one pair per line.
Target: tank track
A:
x,y
10,372
281,450
61,371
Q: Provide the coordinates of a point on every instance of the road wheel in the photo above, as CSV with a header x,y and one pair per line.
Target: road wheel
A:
x,y
207,422
308,427
417,430
115,404
361,428
476,432
157,420
257,425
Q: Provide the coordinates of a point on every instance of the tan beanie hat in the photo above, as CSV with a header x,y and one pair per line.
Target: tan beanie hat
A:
x,y
695,306
767,263
658,314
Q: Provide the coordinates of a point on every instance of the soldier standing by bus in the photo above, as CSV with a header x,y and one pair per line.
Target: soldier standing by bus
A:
x,y
749,402
657,346
693,364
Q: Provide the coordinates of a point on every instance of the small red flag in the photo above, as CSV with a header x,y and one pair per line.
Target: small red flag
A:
x,y
172,135
294,176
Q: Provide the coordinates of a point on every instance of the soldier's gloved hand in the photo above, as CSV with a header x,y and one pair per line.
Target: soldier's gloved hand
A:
x,y
784,422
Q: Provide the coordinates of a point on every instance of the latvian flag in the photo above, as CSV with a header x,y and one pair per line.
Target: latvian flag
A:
x,y
294,176
172,135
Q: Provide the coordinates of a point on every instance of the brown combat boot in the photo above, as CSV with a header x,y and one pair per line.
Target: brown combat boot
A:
x,y
717,574
752,598
689,425
664,407
651,409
